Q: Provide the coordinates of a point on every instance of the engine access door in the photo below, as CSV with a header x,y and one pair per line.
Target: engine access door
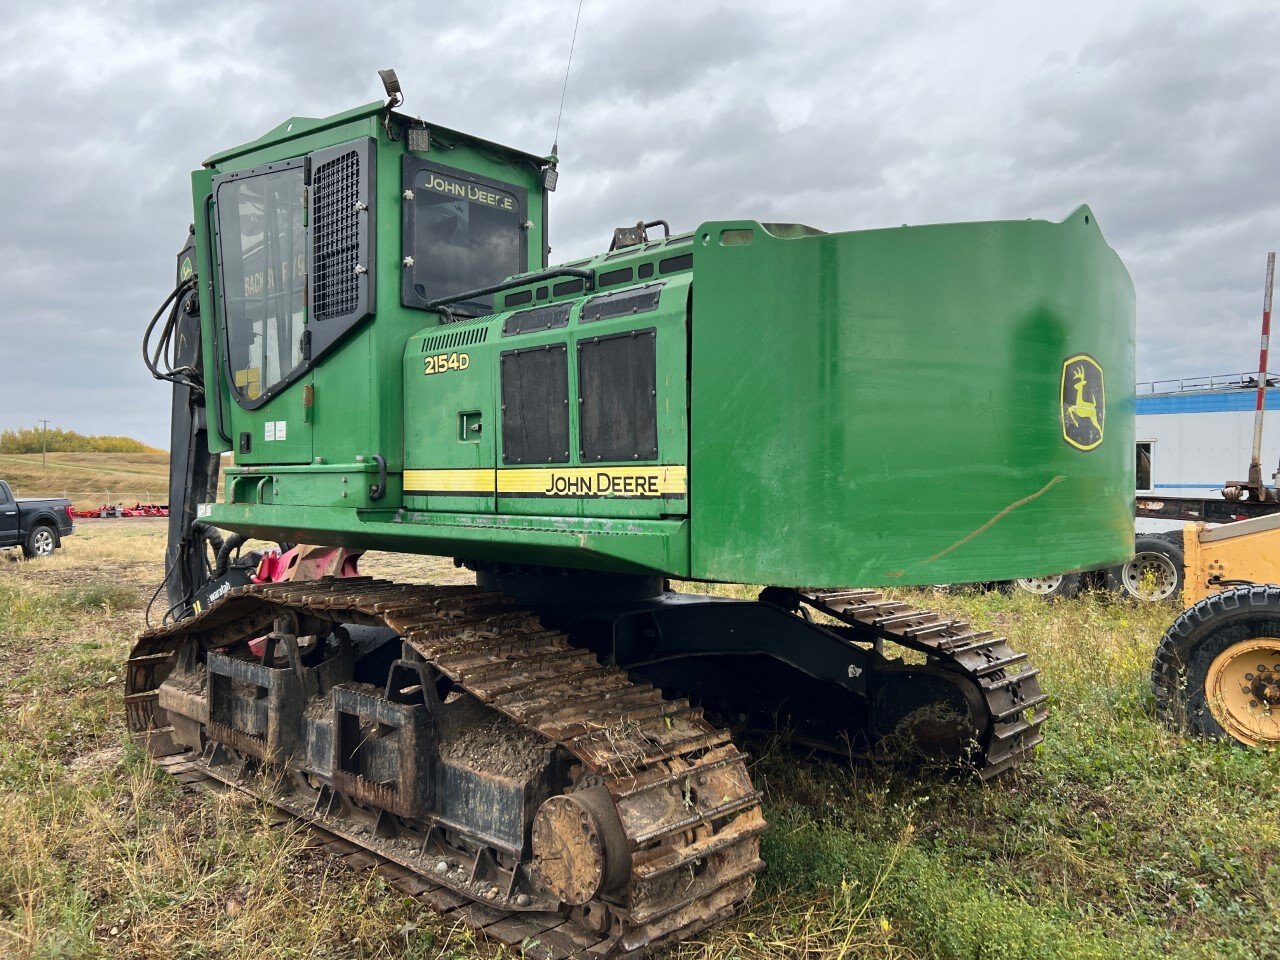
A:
x,y
449,419
594,406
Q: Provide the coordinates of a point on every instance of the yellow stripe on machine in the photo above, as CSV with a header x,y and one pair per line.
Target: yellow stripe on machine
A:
x,y
477,481
669,480
575,482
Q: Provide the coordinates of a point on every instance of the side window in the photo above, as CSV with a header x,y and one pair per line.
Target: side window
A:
x,y
263,252
1143,460
6,499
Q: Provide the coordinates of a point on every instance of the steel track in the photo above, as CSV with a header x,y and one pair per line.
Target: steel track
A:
x,y
680,786
1010,686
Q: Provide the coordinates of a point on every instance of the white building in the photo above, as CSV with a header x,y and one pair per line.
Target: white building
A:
x,y
1196,434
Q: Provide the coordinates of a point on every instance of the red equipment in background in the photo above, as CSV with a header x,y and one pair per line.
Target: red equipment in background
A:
x,y
120,511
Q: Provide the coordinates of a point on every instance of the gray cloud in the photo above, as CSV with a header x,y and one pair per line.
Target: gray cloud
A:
x,y
844,116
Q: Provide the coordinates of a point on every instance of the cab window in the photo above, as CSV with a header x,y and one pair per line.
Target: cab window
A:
x,y
463,232
263,249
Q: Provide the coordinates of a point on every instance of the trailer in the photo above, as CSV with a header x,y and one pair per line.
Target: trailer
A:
x,y
1192,436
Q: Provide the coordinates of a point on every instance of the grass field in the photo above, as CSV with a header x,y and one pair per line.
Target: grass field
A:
x,y
89,479
1120,840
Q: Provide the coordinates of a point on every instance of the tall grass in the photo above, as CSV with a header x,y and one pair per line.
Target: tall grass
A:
x,y
1119,839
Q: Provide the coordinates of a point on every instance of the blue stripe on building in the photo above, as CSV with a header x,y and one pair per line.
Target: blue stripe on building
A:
x,y
1226,401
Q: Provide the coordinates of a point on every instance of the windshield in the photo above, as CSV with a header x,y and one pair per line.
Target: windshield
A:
x,y
462,234
262,238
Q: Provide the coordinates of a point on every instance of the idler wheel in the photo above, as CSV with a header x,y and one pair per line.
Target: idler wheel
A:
x,y
579,848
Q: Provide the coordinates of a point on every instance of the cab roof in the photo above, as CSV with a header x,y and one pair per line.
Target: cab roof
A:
x,y
299,126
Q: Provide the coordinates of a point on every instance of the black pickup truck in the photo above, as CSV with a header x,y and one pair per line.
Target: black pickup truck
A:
x,y
37,526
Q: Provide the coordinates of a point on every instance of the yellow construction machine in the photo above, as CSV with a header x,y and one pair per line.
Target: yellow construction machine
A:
x,y
1217,670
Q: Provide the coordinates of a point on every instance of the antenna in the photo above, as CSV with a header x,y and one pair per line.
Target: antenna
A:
x,y
555,140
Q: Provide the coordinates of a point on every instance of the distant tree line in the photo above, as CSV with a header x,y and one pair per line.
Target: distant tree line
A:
x,y
33,440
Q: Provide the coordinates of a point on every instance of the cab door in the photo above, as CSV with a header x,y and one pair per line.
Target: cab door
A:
x,y
295,268
8,517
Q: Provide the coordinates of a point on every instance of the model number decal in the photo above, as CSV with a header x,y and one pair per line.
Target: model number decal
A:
x,y
444,362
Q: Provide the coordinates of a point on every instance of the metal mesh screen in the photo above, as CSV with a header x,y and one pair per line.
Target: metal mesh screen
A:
x,y
535,405
336,236
618,386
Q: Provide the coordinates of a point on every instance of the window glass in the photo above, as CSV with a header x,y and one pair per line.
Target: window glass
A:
x,y
1144,465
465,236
262,236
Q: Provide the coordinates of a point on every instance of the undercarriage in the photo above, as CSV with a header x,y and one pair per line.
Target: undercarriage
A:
x,y
563,765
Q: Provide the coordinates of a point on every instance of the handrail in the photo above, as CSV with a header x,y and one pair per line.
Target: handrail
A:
x,y
1222,381
511,285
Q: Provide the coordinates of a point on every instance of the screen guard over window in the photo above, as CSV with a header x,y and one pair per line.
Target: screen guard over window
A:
x,y
461,232
342,241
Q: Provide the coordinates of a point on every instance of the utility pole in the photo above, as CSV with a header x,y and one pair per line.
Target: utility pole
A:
x,y
1255,463
44,445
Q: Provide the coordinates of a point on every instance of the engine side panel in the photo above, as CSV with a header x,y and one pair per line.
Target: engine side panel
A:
x,y
900,406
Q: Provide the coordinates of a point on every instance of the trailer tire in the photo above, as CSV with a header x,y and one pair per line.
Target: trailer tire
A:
x,y
1156,571
1199,674
41,541
1060,586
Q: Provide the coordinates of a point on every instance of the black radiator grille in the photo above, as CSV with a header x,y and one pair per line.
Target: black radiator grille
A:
x,y
336,236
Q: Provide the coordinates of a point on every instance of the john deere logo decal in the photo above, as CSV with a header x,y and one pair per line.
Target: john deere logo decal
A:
x,y
1084,402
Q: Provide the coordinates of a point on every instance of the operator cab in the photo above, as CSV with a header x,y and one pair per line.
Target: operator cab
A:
x,y
344,230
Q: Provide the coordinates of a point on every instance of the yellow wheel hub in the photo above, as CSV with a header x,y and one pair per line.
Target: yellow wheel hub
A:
x,y
1242,688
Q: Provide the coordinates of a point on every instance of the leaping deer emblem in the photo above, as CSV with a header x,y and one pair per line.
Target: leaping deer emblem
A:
x,y
1083,409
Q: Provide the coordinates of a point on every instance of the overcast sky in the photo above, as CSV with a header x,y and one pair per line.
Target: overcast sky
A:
x,y
1161,116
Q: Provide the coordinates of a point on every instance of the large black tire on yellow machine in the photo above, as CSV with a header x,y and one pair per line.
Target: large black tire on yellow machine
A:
x,y
1217,670
569,802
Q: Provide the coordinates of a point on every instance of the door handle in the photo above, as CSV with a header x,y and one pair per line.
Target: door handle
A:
x,y
470,426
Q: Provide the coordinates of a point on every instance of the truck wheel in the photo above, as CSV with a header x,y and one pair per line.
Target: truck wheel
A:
x,y
41,542
1155,573
1060,586
1217,670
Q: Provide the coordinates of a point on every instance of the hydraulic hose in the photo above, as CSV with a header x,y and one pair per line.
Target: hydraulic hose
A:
x,y
185,376
233,543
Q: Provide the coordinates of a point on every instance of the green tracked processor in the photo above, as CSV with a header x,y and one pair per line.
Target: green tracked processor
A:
x,y
369,350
